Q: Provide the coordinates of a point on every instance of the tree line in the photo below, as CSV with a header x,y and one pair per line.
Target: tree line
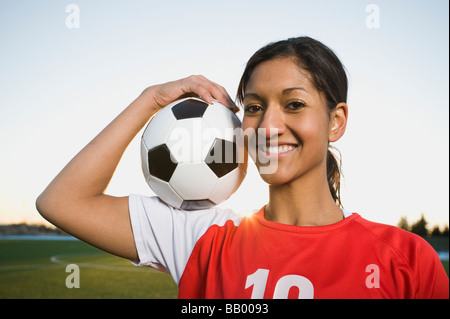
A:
x,y
420,227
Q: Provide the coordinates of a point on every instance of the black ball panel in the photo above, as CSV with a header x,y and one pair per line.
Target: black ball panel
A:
x,y
161,164
189,109
222,157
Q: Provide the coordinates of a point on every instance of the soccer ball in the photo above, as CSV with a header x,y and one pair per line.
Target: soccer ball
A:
x,y
190,154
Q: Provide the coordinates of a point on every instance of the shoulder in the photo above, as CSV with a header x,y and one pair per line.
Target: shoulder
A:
x,y
165,236
152,218
388,233
167,219
428,275
391,235
401,243
153,206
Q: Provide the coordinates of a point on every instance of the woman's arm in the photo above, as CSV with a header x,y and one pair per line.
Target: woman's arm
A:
x,y
76,201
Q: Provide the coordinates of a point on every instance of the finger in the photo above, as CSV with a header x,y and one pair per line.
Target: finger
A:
x,y
208,91
219,93
194,84
223,97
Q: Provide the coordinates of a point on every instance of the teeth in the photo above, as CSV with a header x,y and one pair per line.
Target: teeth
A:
x,y
277,149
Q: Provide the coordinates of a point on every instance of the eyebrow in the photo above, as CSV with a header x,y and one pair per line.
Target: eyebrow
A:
x,y
289,90
255,95
284,92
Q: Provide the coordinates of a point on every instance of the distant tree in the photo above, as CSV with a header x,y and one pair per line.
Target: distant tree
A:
x,y
435,232
420,227
403,223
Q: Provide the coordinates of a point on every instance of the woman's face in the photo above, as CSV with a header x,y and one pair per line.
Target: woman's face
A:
x,y
280,95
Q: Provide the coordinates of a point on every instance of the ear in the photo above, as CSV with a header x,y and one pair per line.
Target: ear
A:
x,y
338,122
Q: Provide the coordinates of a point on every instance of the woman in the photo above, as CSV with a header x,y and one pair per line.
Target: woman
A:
x,y
300,245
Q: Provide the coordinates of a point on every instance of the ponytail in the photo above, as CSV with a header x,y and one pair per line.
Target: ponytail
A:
x,y
334,176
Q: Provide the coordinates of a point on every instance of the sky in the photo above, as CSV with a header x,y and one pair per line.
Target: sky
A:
x,y
65,74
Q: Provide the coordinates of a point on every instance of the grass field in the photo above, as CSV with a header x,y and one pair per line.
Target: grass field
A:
x,y
37,269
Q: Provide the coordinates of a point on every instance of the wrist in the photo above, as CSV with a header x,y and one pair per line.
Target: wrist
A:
x,y
149,97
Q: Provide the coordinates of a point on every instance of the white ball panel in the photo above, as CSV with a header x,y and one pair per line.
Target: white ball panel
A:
x,y
193,189
188,141
159,128
222,118
164,191
227,185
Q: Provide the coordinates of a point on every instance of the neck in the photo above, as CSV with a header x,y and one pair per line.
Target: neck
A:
x,y
303,202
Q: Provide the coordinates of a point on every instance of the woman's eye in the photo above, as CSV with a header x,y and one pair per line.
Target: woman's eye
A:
x,y
296,105
252,108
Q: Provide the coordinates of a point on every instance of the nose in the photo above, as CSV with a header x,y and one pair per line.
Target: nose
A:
x,y
272,123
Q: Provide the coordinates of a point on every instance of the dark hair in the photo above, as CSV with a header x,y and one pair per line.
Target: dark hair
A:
x,y
327,75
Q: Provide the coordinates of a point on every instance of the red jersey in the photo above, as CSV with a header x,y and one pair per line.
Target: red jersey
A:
x,y
250,257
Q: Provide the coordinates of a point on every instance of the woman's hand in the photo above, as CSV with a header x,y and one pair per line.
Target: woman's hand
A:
x,y
194,85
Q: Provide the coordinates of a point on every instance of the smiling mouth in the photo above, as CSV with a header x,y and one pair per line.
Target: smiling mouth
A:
x,y
277,150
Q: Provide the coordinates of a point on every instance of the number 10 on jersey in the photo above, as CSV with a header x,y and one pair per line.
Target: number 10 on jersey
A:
x,y
258,280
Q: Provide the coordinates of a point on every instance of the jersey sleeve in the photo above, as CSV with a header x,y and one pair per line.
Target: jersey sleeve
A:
x,y
165,236
431,276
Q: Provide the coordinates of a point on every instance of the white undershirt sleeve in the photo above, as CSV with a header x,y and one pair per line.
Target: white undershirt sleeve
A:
x,y
165,236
